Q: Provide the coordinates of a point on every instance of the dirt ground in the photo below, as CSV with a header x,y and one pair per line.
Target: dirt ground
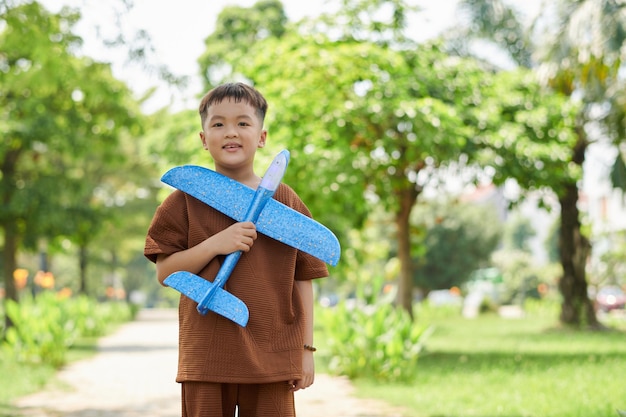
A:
x,y
133,375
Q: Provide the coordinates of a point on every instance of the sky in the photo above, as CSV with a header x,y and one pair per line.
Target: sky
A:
x,y
178,29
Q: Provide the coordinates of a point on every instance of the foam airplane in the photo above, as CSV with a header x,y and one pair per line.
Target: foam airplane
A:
x,y
242,203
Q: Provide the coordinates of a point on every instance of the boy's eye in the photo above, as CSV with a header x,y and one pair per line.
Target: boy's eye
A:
x,y
217,124
243,124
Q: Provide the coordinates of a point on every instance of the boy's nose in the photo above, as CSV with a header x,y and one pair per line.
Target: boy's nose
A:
x,y
231,131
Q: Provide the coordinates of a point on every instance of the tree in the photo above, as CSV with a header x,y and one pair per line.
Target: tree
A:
x,y
368,116
580,59
584,59
517,233
458,238
368,125
237,31
61,119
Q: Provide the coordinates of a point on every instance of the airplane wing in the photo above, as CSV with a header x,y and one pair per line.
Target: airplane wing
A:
x,y
277,221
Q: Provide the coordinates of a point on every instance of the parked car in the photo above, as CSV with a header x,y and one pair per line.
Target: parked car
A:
x,y
610,298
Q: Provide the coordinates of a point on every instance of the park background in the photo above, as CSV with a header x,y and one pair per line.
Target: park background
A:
x,y
482,156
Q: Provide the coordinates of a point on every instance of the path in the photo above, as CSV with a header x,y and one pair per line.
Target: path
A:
x,y
133,375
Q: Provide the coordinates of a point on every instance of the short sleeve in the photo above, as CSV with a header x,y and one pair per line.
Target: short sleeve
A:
x,y
169,228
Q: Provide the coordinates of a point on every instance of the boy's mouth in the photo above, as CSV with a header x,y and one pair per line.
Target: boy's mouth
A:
x,y
231,146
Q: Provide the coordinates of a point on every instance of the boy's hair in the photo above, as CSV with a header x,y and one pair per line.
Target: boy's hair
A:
x,y
237,92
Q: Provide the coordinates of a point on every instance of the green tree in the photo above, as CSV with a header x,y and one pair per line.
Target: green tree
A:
x,y
170,139
61,119
584,60
238,30
368,116
534,145
380,21
368,126
517,233
578,59
458,238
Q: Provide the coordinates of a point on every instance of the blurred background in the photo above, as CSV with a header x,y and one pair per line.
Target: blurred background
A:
x,y
468,154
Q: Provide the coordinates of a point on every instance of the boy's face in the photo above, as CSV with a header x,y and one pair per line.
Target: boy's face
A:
x,y
232,132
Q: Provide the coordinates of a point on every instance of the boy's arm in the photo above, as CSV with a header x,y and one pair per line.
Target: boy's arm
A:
x,y
305,288
239,236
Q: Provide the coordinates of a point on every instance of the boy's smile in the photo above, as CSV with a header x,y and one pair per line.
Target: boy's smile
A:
x,y
231,146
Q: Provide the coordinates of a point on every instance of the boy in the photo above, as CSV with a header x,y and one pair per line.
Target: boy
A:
x,y
223,366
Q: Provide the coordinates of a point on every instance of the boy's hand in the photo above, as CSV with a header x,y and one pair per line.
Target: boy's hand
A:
x,y
239,236
308,373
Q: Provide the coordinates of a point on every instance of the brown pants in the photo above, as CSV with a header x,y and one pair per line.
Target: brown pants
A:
x,y
206,399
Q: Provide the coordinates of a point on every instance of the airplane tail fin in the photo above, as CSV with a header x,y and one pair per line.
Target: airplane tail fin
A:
x,y
222,302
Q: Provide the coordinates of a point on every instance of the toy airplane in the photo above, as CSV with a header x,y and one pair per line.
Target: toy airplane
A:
x,y
242,203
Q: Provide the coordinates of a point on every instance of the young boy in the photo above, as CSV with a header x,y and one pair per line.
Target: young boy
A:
x,y
223,366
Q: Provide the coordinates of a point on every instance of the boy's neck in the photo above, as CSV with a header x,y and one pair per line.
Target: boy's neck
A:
x,y
248,178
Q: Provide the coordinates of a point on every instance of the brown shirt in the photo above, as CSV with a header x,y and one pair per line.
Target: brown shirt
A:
x,y
213,348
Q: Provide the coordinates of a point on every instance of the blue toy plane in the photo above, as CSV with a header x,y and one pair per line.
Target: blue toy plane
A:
x,y
242,203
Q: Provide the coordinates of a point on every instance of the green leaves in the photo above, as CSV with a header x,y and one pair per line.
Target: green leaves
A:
x,y
369,117
457,239
45,327
238,30
529,135
63,120
618,173
374,341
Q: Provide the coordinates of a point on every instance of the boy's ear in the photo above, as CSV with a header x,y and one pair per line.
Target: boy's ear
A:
x,y
262,139
203,139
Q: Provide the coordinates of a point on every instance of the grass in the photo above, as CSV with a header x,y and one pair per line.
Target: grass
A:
x,y
17,379
494,367
484,367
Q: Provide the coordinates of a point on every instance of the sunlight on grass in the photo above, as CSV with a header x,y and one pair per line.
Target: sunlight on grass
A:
x,y
490,367
19,379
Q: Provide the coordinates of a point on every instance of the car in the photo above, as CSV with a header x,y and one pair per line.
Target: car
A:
x,y
610,298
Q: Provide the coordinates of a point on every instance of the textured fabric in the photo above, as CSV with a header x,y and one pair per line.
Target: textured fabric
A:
x,y
211,347
207,399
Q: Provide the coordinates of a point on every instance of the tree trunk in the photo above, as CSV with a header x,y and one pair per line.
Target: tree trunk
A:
x,y
9,262
574,249
406,199
9,225
82,264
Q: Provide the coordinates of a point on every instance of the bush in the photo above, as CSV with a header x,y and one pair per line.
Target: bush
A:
x,y
92,318
42,331
377,341
45,327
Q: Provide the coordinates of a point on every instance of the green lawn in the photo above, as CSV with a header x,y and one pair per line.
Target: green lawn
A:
x,y
18,379
484,367
494,367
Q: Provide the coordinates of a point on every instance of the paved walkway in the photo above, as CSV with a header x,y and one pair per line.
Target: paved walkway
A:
x,y
133,375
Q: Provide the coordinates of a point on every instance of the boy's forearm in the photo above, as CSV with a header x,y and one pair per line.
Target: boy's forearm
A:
x,y
191,260
306,293
237,237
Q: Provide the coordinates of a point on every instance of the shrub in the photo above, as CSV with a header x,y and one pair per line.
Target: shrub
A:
x,y
46,326
92,318
41,332
377,341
